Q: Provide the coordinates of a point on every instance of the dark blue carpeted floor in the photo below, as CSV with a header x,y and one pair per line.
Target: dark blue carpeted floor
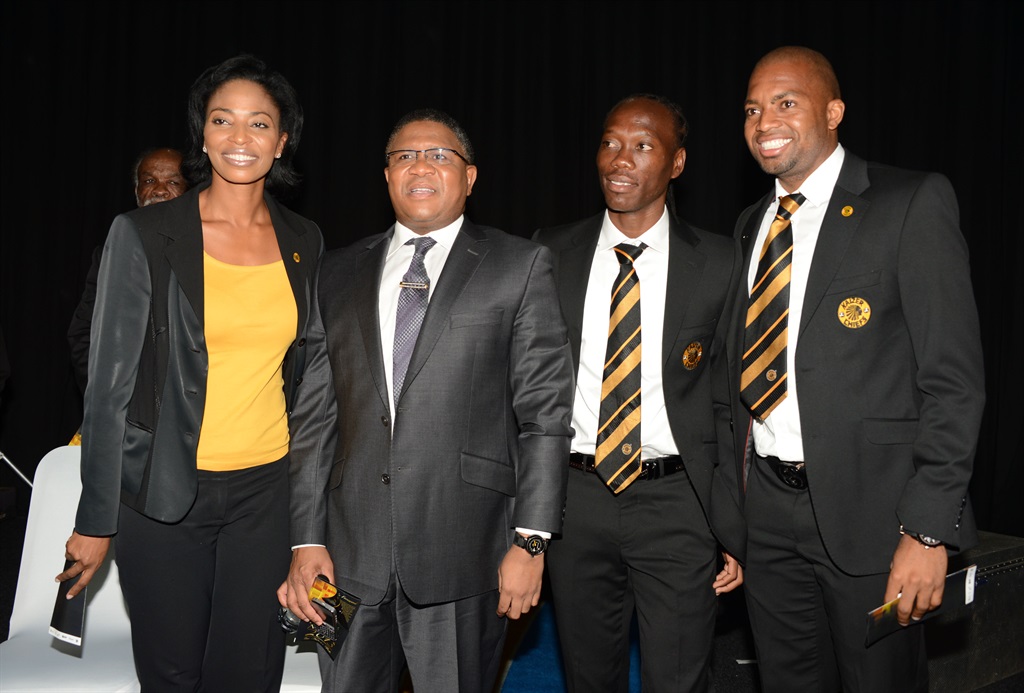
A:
x,y
537,663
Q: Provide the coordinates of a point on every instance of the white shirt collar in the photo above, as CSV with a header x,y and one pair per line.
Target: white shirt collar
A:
x,y
444,236
656,237
819,185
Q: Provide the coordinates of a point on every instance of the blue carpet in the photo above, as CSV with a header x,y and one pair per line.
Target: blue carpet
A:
x,y
537,662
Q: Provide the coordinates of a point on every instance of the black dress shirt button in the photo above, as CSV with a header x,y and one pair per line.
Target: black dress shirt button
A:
x,y
385,479
302,342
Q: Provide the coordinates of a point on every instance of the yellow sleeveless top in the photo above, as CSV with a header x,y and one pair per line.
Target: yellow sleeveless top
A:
x,y
250,319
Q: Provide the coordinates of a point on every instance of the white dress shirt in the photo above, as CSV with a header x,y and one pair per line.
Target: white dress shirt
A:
x,y
652,270
779,435
396,264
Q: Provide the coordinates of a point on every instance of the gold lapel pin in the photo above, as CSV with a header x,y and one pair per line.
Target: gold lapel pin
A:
x,y
295,256
847,211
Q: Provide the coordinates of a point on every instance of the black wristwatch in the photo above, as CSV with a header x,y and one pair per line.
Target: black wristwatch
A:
x,y
926,541
534,544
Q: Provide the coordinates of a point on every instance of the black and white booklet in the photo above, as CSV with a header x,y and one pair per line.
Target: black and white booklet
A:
x,y
68,620
958,592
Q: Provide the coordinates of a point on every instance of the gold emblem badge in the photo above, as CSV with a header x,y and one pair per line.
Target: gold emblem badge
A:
x,y
296,257
847,211
627,449
691,355
854,312
771,374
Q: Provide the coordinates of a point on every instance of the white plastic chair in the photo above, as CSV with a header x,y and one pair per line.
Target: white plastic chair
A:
x,y
301,670
31,659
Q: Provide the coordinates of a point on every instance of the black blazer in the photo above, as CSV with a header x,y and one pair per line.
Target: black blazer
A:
x,y
703,268
148,360
889,409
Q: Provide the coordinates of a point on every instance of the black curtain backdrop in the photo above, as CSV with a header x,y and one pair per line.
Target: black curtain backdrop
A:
x,y
87,85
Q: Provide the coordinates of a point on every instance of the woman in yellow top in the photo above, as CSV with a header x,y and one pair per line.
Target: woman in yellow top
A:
x,y
197,354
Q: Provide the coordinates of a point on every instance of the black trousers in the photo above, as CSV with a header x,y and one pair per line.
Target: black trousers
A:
x,y
649,549
809,617
201,592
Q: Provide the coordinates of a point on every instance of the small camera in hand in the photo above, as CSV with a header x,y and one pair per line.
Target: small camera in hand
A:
x,y
335,606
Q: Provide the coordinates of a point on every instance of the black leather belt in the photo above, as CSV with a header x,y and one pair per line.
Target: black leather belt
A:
x,y
792,474
650,469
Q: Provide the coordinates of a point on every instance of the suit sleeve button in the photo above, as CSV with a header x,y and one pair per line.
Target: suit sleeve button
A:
x,y
385,479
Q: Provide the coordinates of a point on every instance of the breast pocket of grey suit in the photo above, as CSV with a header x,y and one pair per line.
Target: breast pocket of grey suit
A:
x,y
460,321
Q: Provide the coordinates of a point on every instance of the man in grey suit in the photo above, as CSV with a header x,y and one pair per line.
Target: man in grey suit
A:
x,y
856,360
431,460
645,540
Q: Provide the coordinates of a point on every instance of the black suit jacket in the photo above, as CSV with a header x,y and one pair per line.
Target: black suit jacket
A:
x,y
889,409
148,361
703,268
480,440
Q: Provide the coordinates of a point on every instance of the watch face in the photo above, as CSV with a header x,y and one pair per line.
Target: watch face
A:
x,y
535,545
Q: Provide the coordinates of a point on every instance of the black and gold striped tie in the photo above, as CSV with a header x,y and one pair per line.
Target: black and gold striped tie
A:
x,y
617,458
763,382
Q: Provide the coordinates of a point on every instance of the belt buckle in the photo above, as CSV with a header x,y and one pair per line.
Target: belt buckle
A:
x,y
649,470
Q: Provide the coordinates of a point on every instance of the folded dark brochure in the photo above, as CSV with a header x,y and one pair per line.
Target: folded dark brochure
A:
x,y
335,606
959,591
68,620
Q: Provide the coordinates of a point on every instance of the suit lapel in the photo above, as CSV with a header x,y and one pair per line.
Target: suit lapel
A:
x,y
471,246
297,266
836,232
574,264
184,252
685,267
366,297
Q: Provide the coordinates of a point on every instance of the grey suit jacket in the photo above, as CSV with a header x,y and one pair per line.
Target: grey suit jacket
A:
x,y
703,269
481,435
890,407
148,360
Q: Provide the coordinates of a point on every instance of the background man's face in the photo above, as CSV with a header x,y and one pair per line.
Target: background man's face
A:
x,y
160,178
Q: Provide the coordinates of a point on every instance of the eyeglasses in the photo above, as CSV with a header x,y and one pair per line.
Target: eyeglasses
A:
x,y
437,156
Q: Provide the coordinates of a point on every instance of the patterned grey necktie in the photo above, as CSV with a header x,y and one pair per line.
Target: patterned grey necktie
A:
x,y
412,306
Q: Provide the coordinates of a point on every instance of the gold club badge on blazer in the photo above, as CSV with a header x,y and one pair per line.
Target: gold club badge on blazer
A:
x,y
691,355
854,312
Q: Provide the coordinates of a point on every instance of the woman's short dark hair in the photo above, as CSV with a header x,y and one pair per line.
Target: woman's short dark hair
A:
x,y
282,177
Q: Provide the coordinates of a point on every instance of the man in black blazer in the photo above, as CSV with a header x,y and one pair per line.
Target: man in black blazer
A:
x,y
647,545
156,177
867,395
436,503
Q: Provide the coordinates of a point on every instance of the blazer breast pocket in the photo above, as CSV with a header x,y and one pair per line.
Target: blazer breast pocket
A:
x,y
484,317
693,345
842,285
